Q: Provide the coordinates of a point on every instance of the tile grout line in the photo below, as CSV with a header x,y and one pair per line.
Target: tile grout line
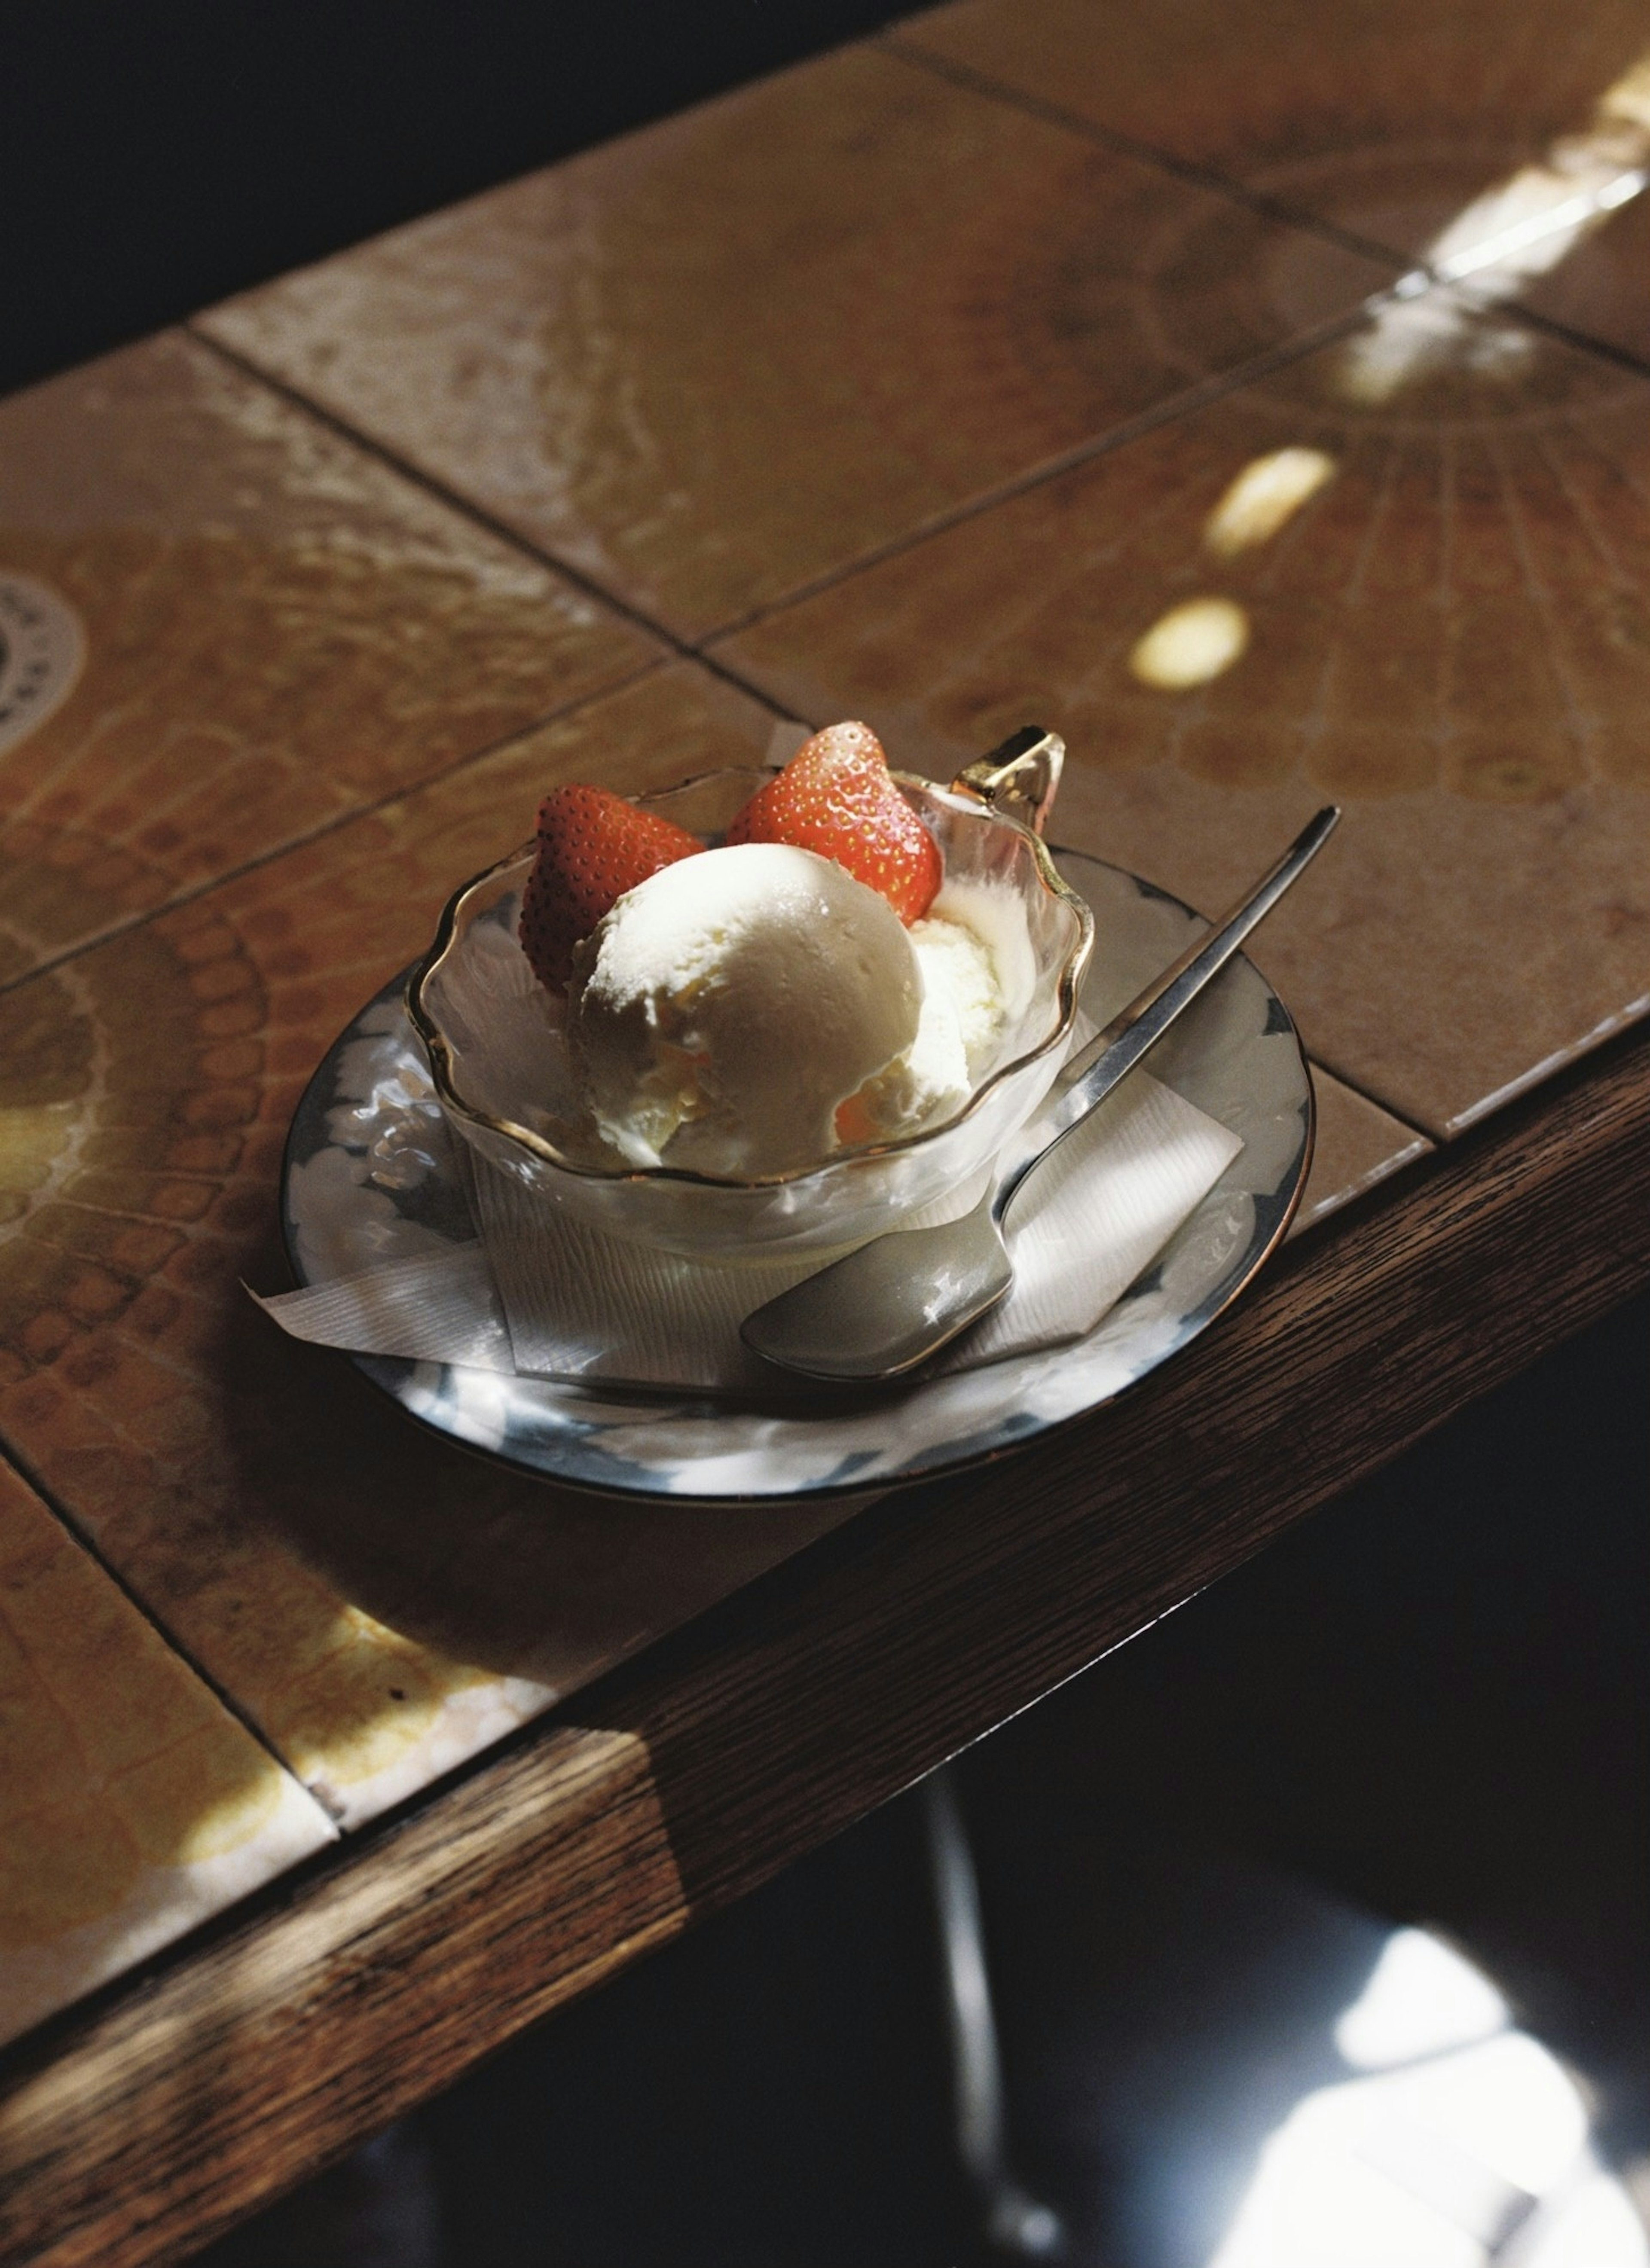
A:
x,y
1202,394
1566,334
1185,402
680,648
36,1483
318,833
1201,175
1366,1094
1192,170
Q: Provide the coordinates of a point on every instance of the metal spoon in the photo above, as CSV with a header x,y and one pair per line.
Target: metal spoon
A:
x,y
887,1306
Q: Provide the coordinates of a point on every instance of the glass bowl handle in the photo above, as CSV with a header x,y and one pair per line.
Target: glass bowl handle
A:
x,y
1019,778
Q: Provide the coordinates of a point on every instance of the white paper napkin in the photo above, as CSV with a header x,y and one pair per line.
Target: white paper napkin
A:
x,y
441,1306
547,1298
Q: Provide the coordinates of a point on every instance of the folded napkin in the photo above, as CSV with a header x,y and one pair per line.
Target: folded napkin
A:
x,y
542,1295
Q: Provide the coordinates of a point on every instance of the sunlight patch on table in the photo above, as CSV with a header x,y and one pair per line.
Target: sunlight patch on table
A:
x,y
1264,498
132,1805
1191,645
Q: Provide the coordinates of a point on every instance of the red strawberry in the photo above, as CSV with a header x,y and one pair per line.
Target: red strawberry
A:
x,y
836,796
593,848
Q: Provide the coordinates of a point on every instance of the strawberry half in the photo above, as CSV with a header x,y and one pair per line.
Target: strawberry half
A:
x,y
836,796
593,848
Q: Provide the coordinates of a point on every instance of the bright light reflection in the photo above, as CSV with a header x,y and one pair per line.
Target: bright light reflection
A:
x,y
1506,2103
1467,2143
1504,239
1266,495
1595,2226
1516,232
1190,644
1420,1998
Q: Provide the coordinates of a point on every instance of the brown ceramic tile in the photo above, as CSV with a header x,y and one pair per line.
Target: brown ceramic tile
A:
x,y
132,1805
1358,1145
380,1604
1395,123
273,630
715,360
1452,638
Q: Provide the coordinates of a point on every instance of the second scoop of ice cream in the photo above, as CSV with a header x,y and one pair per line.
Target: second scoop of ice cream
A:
x,y
747,1011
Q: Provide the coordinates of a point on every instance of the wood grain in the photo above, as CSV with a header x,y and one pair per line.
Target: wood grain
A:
x,y
818,1692
417,1954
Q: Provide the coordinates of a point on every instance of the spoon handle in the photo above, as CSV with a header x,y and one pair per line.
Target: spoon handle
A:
x,y
1113,1052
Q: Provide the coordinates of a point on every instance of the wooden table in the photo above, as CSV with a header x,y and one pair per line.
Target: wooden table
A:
x,y
1002,368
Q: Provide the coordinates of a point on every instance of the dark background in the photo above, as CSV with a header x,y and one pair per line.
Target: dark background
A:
x,y
157,156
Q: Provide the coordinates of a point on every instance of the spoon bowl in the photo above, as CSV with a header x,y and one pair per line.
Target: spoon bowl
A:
x,y
890,1305
884,1309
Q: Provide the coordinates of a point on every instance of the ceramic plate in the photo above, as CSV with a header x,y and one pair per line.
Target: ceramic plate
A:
x,y
370,1177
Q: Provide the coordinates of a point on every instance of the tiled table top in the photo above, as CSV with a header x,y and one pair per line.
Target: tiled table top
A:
x,y
1404,127
741,351
1005,369
131,1802
273,630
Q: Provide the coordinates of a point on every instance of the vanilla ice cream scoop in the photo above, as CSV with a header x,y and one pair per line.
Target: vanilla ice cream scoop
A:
x,y
725,1009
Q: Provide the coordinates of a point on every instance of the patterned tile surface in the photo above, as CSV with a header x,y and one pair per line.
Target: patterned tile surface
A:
x,y
1411,126
381,1605
730,354
1410,573
132,1804
1358,1145
248,627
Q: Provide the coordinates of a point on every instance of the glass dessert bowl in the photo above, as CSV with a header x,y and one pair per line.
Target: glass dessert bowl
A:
x,y
500,1061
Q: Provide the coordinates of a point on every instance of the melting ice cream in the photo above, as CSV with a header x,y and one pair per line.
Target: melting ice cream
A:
x,y
751,1009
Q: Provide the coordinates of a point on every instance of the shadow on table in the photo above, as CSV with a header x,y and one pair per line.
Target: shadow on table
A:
x,y
435,1569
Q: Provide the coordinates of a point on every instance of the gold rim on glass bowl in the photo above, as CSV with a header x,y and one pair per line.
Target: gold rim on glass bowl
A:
x,y
1019,778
